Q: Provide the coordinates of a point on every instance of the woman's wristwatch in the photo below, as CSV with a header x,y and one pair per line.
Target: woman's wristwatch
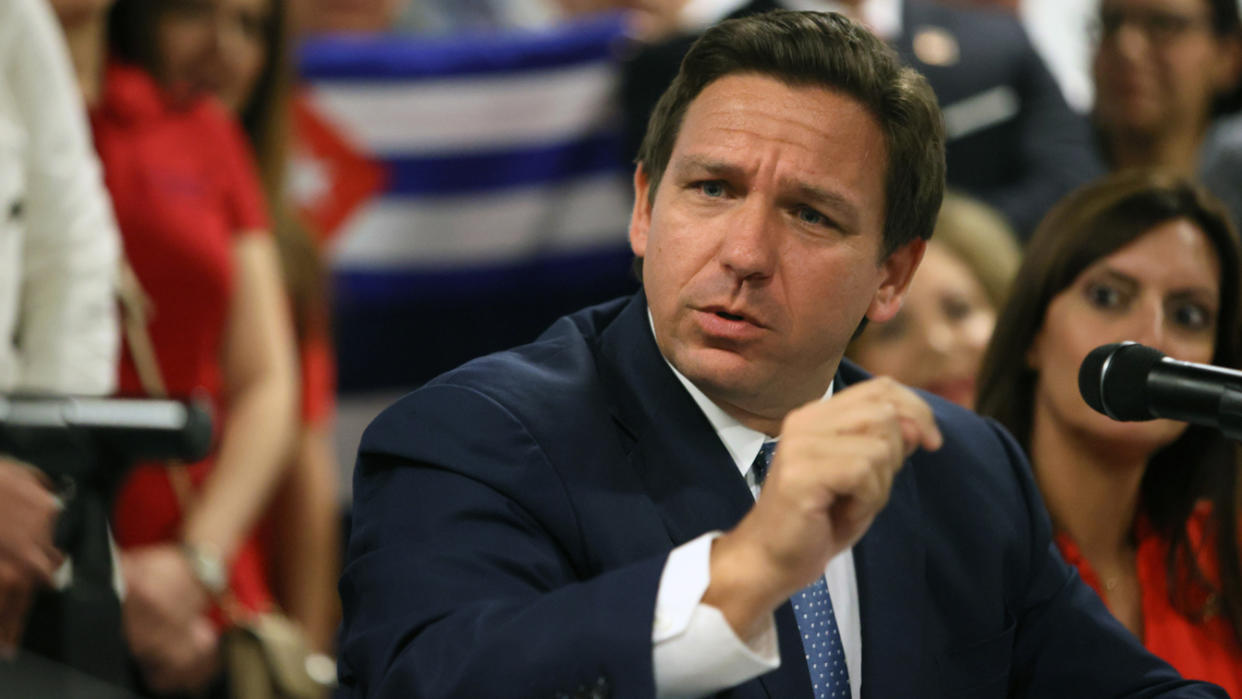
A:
x,y
208,567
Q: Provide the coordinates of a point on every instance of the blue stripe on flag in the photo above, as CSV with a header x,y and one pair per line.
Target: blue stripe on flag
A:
x,y
357,287
492,171
399,58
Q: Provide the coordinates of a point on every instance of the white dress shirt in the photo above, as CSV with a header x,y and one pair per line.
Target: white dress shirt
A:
x,y
1060,30
58,240
695,651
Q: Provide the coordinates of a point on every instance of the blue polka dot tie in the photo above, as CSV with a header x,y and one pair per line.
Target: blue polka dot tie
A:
x,y
821,640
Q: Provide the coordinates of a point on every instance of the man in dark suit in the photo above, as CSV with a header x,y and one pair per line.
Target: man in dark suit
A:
x,y
577,517
1013,142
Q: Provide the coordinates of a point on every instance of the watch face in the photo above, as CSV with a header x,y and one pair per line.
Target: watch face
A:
x,y
207,567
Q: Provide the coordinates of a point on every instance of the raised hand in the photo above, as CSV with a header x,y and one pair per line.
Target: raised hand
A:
x,y
831,475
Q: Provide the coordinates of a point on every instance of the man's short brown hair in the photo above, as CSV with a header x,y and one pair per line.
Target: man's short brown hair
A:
x,y
830,51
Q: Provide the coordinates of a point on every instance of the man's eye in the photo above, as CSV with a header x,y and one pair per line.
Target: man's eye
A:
x,y
811,216
712,188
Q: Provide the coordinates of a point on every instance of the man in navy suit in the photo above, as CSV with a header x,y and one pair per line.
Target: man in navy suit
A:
x,y
578,516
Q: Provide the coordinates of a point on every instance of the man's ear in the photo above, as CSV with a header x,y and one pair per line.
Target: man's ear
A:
x,y
640,217
897,270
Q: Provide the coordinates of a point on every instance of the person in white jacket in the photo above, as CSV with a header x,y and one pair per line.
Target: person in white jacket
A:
x,y
59,249
58,239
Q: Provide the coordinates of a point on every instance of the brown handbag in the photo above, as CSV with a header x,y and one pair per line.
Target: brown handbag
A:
x,y
266,655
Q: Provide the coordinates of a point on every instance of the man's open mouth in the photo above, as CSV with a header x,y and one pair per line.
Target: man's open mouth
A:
x,y
729,316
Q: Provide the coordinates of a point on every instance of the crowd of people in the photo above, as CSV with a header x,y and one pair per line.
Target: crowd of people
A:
x,y
149,247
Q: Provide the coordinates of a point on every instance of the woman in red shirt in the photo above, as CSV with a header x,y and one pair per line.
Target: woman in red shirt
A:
x,y
192,219
237,50
1147,511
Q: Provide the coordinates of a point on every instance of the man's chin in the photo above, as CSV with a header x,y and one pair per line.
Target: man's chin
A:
x,y
719,372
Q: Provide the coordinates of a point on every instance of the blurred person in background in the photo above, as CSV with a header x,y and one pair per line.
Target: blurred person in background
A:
x,y
1013,141
194,226
58,258
650,19
346,16
936,341
1060,30
238,50
1147,511
1164,70
1221,164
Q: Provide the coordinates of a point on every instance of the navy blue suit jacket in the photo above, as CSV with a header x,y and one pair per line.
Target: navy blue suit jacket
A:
x,y
513,516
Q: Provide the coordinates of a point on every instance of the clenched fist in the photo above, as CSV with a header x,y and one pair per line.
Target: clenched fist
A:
x,y
831,475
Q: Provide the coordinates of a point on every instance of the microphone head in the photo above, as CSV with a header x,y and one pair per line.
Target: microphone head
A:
x,y
1113,379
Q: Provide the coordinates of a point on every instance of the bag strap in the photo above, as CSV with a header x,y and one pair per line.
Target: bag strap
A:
x,y
136,310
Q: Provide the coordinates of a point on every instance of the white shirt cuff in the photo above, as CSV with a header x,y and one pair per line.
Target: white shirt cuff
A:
x,y
695,651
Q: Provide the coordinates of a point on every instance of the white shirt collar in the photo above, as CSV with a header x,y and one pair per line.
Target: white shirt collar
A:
x,y
882,16
742,442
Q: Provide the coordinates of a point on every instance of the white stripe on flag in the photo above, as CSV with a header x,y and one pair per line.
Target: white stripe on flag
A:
x,y
465,115
431,232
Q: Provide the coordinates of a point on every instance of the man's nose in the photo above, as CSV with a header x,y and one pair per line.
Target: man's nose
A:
x,y
748,248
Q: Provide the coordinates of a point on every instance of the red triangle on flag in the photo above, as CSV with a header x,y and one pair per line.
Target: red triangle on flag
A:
x,y
329,177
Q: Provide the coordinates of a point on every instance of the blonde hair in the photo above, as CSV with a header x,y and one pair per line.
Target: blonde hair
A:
x,y
979,236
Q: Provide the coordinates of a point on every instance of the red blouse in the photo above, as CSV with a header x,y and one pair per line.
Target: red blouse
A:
x,y
1201,650
318,366
184,187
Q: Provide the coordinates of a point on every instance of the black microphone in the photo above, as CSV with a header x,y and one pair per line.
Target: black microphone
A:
x,y
1128,381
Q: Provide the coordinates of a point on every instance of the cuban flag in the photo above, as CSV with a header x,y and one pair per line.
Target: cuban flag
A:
x,y
469,190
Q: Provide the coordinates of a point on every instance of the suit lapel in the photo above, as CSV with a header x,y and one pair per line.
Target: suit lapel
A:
x,y
793,679
889,564
685,468
679,459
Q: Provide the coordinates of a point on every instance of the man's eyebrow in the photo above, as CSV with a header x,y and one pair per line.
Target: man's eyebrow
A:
x,y
836,204
819,195
715,168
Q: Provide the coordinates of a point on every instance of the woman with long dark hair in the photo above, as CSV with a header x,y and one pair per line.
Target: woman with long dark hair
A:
x,y
238,51
195,230
1147,511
